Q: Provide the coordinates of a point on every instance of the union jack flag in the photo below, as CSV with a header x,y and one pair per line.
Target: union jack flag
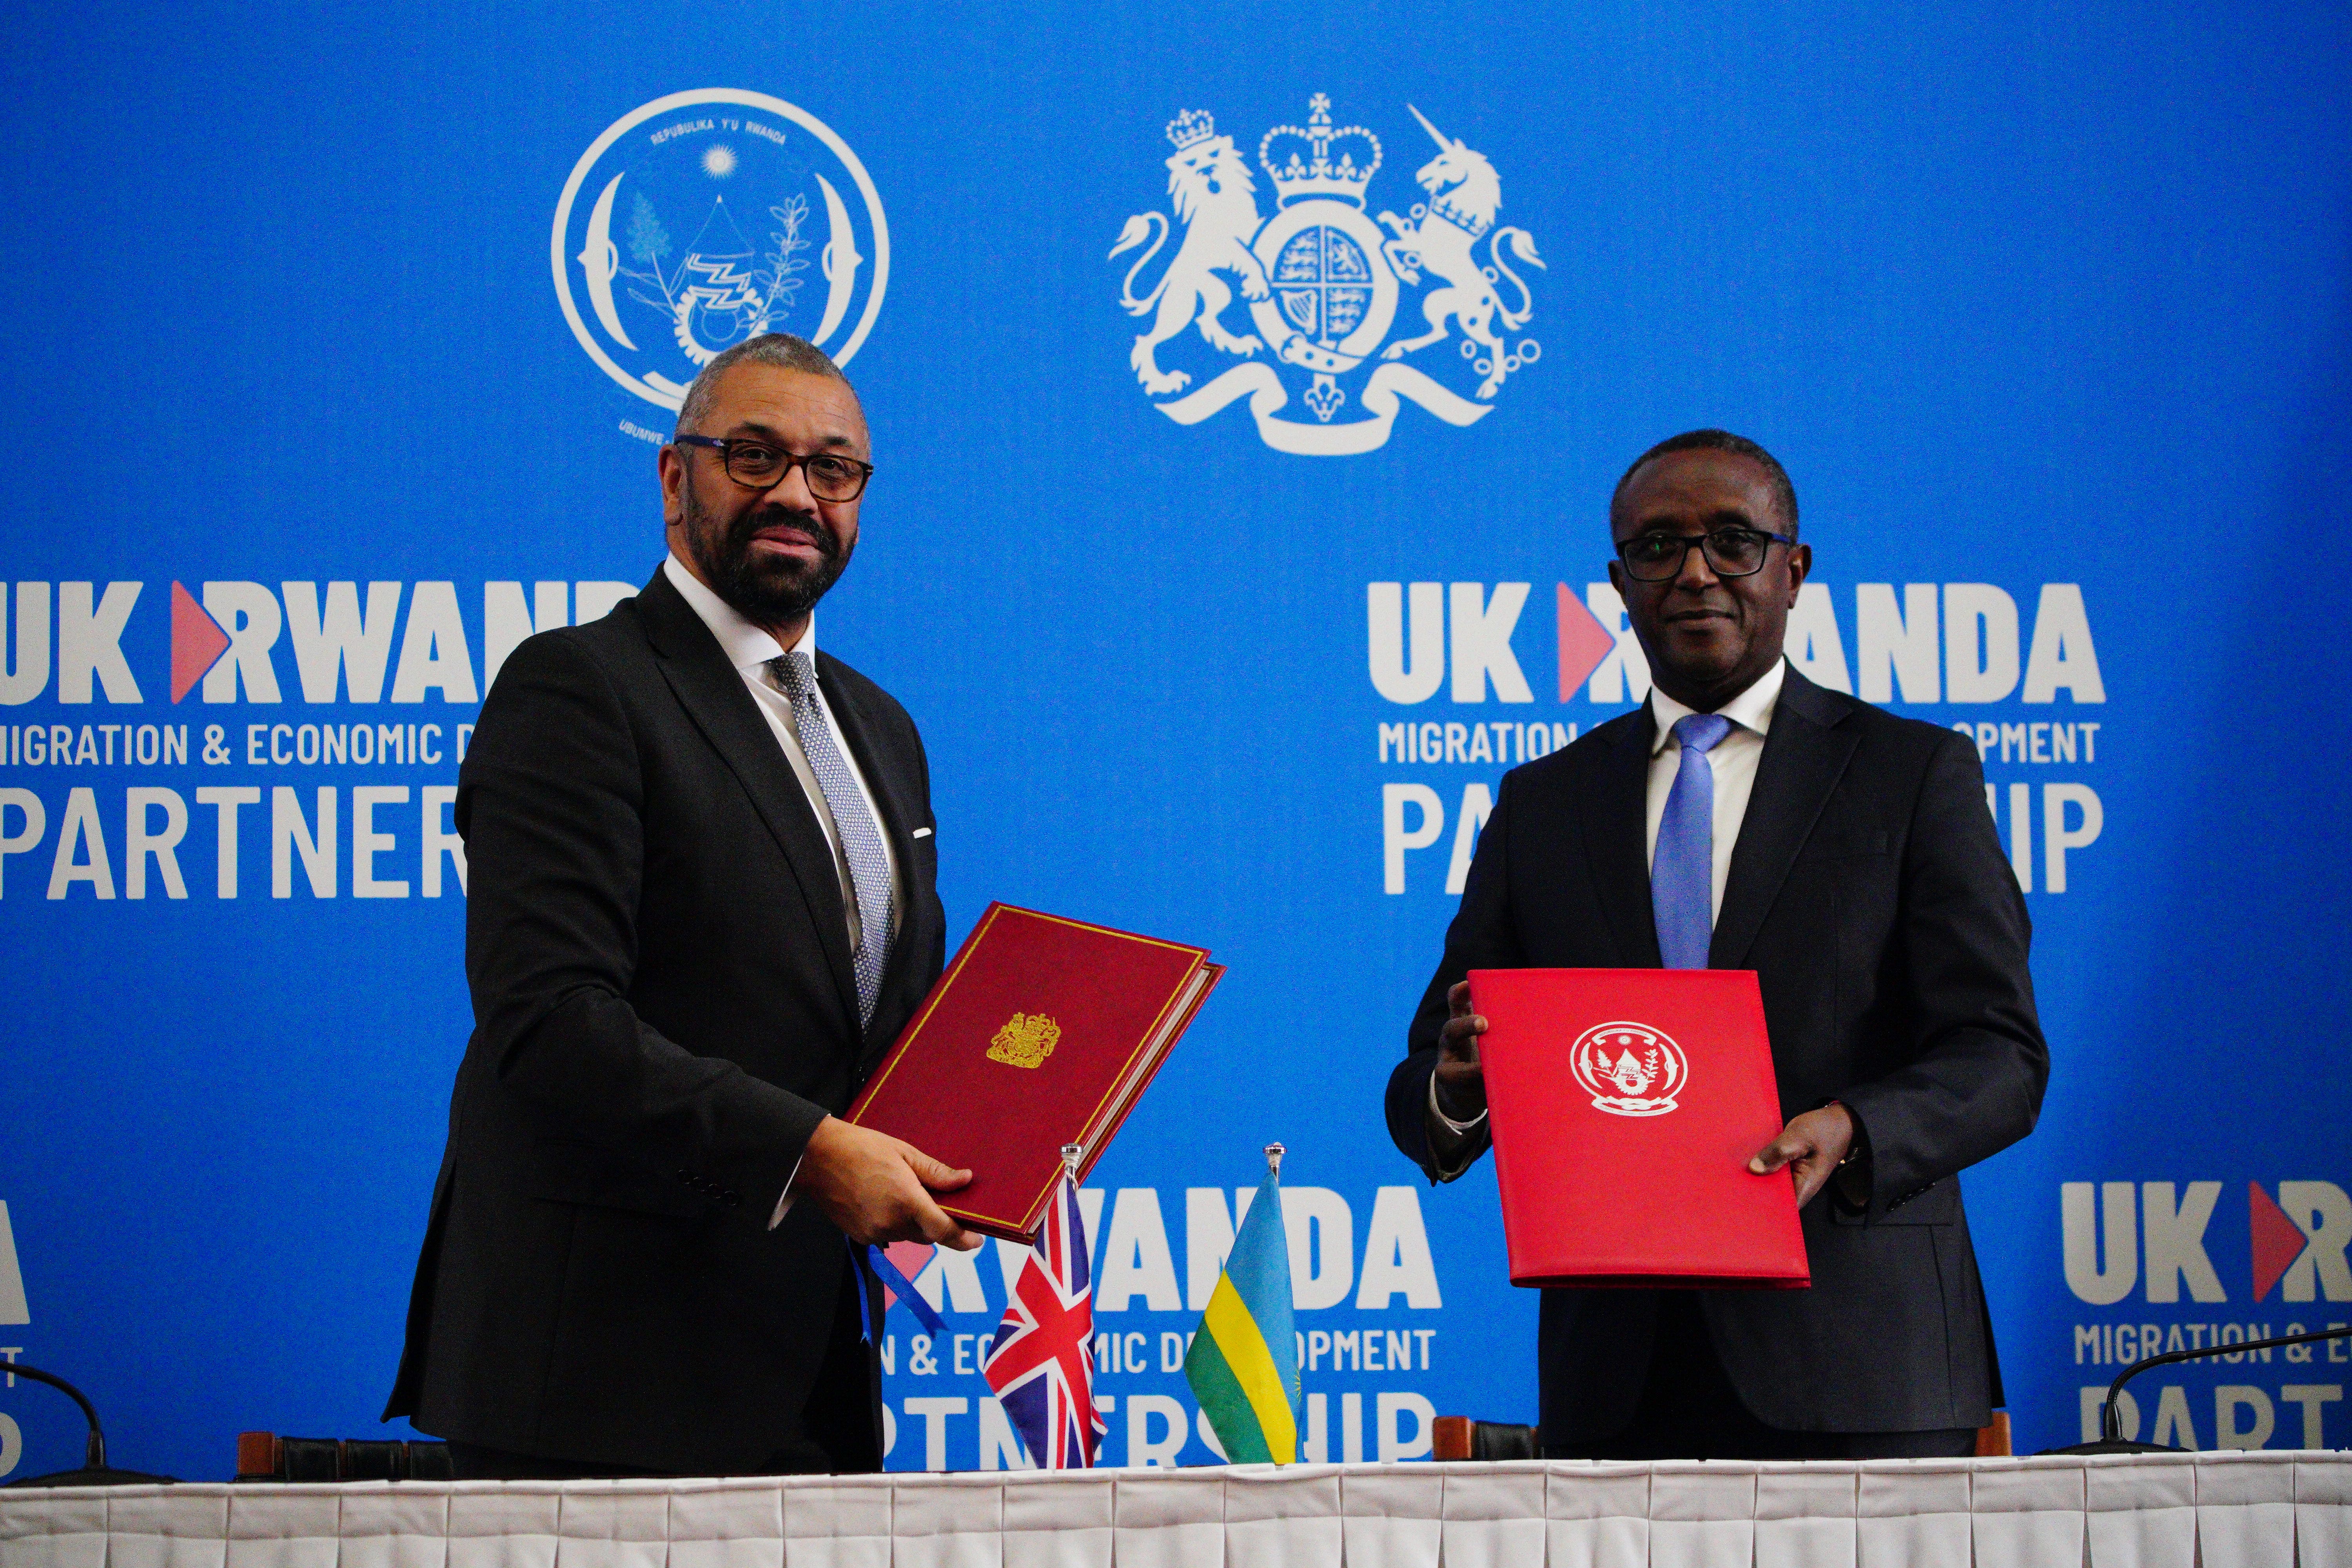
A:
x,y
1042,1362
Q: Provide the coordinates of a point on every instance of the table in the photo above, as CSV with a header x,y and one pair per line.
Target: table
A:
x,y
2256,1509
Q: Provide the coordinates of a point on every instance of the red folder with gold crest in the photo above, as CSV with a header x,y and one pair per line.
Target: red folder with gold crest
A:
x,y
1626,1104
1043,1031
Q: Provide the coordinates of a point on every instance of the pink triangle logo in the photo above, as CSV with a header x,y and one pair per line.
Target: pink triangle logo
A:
x,y
909,1257
1584,642
197,642
2278,1240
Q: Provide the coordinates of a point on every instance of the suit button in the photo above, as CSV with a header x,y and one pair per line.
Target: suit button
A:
x,y
686,1176
733,1199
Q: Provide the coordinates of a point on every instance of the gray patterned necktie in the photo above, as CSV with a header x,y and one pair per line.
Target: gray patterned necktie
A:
x,y
861,840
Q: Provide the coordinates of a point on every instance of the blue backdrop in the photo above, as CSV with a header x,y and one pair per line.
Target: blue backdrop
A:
x,y
323,351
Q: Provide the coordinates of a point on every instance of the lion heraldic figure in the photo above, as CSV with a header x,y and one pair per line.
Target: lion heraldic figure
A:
x,y
1217,203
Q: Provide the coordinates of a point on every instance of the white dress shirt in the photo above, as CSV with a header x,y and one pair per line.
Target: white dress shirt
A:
x,y
749,650
1734,758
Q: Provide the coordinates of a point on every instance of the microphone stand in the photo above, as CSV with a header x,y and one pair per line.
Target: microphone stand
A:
x,y
95,1471
2111,1432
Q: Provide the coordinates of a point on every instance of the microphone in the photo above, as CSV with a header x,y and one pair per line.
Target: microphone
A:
x,y
2111,1431
95,1471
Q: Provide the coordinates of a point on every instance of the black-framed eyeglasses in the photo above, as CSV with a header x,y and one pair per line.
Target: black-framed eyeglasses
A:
x,y
762,465
1729,552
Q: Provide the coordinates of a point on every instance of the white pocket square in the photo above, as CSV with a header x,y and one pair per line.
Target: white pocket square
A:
x,y
920,833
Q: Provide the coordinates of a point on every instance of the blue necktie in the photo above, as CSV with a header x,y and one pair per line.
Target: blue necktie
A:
x,y
861,841
1682,872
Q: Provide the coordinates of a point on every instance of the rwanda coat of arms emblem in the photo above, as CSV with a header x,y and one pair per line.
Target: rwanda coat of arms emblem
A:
x,y
1629,1069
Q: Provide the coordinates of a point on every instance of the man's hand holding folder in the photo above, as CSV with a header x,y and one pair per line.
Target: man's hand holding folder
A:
x,y
1817,1144
877,1189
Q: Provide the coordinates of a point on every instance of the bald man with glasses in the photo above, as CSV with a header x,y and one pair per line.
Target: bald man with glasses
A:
x,y
702,904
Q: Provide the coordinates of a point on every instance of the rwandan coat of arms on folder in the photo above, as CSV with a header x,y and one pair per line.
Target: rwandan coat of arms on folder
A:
x,y
1321,285
1629,1069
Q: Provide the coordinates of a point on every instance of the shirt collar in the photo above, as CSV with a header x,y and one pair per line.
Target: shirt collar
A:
x,y
746,646
1751,710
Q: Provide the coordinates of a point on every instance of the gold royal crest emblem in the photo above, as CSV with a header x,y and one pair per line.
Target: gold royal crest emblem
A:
x,y
1025,1041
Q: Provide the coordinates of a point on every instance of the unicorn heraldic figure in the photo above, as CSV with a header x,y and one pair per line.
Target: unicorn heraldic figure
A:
x,y
1464,196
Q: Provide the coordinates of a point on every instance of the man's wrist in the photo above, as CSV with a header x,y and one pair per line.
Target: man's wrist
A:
x,y
1458,1126
1850,1182
1857,1147
785,1199
1453,1145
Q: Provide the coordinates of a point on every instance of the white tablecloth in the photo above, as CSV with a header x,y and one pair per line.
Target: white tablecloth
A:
x,y
2221,1510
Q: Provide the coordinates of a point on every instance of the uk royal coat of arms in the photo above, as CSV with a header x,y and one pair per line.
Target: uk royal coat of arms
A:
x,y
1321,285
1025,1041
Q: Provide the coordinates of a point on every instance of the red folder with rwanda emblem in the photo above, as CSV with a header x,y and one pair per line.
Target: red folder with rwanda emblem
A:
x,y
1044,1031
1626,1104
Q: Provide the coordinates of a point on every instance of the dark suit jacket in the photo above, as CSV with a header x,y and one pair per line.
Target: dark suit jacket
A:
x,y
1869,892
664,1010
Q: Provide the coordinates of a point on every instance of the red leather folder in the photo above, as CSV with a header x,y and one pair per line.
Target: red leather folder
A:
x,y
1626,1104
1043,1031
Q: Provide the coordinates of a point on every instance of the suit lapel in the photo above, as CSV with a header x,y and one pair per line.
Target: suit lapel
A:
x,y
1805,754
729,716
856,733
1616,827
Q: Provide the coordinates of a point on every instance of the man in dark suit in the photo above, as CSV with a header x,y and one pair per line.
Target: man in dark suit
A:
x,y
1746,819
701,906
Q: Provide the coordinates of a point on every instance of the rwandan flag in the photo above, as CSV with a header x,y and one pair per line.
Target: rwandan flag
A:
x,y
1243,1364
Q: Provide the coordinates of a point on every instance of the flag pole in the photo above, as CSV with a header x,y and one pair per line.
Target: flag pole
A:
x,y
1273,1153
1071,1154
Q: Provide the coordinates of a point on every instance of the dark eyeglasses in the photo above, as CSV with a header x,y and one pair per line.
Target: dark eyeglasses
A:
x,y
1729,552
761,465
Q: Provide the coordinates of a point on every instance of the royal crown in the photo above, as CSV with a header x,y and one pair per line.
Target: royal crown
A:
x,y
1191,127
1474,224
1301,163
